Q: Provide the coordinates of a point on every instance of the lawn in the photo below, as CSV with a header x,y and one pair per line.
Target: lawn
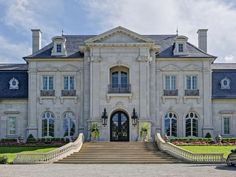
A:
x,y
210,149
11,152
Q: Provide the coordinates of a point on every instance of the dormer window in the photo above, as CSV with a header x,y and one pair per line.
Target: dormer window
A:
x,y
59,46
181,48
180,45
225,83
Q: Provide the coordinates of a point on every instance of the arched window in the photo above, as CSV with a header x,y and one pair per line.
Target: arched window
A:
x,y
171,124
119,80
48,120
69,124
191,124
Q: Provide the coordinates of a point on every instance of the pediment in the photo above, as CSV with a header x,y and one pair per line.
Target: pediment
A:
x,y
192,67
170,67
119,35
48,68
69,68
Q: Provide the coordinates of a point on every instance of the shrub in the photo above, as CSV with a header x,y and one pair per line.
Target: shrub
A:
x,y
3,159
31,139
208,135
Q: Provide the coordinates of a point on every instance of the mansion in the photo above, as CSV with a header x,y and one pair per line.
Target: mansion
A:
x,y
121,82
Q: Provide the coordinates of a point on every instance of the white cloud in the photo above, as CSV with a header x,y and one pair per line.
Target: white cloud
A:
x,y
12,52
163,17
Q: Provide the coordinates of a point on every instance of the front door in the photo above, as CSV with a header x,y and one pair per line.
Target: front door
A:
x,y
119,127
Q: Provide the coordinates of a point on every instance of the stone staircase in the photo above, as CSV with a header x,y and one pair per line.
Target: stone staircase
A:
x,y
119,153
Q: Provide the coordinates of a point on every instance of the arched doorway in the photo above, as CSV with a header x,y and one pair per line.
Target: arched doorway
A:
x,y
119,126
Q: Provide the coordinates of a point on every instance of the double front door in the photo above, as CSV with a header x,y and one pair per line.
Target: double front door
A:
x,y
119,127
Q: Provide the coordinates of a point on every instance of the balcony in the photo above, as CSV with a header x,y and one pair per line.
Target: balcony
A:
x,y
191,93
170,92
68,93
119,88
47,92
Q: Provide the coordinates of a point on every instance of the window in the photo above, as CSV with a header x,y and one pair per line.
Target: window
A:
x,y
47,82
171,124
48,120
58,48
11,127
119,80
69,83
181,47
69,124
225,83
191,124
170,82
226,128
191,82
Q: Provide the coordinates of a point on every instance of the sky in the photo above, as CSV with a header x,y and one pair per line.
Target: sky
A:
x,y
18,17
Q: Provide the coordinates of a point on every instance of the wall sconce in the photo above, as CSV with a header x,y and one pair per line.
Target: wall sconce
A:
x,y
134,118
104,117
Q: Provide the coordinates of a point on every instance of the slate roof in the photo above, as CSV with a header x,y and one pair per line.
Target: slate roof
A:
x,y
6,74
165,41
13,67
220,71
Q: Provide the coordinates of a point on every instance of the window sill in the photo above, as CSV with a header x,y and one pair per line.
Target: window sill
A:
x,y
53,98
191,97
110,95
75,98
164,98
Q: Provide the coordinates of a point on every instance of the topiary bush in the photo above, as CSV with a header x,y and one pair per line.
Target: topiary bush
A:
x,y
208,135
31,139
3,159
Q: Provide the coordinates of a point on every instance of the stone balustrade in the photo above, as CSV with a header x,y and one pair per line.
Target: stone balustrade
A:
x,y
188,156
57,154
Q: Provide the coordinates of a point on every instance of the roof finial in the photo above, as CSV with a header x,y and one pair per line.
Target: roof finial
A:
x,y
177,31
62,32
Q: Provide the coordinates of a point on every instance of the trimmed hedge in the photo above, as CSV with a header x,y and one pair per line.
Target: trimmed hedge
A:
x,y
3,159
228,140
190,140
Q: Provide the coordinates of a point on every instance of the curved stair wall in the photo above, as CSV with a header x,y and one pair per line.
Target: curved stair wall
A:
x,y
52,156
188,156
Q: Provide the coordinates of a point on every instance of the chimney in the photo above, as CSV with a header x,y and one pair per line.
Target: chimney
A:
x,y
202,39
36,40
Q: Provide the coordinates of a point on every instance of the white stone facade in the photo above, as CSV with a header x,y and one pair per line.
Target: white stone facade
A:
x,y
146,76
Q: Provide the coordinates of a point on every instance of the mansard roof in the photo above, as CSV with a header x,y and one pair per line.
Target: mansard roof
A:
x,y
166,43
8,72
222,71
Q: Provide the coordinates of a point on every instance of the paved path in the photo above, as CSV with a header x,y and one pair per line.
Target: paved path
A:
x,y
163,170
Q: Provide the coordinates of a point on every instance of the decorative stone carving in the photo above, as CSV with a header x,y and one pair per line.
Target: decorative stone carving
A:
x,y
225,83
13,84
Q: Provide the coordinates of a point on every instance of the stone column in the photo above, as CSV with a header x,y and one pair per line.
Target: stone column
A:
x,y
32,101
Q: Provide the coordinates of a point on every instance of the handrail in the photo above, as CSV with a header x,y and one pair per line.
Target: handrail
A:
x,y
186,155
51,156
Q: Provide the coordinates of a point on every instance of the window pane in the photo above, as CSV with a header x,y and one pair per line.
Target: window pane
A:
x,y
174,127
181,47
12,126
167,82
66,127
188,127
195,127
51,127
167,127
66,83
44,82
50,83
44,128
194,82
72,82
59,48
226,125
124,79
173,82
115,80
188,82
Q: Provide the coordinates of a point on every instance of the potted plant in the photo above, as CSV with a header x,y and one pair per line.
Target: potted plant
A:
x,y
144,132
95,134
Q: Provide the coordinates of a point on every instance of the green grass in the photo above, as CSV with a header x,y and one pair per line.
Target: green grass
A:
x,y
11,152
210,149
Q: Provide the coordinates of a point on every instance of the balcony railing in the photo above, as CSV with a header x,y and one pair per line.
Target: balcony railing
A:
x,y
191,93
68,93
119,88
47,92
170,92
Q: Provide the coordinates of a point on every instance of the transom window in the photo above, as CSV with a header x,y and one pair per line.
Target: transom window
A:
x,y
59,48
48,120
226,125
170,82
191,124
47,82
11,127
191,82
171,124
181,47
69,124
69,82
